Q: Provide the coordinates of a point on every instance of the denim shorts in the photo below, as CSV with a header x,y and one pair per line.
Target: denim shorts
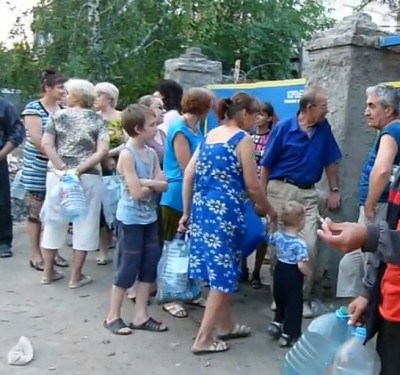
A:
x,y
138,253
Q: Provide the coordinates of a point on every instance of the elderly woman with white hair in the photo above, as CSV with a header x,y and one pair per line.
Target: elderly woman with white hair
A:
x,y
75,138
107,96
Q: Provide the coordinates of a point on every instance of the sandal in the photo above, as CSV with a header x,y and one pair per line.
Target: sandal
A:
x,y
56,276
101,261
238,332
59,261
216,347
176,310
150,325
117,327
199,302
256,281
38,265
85,280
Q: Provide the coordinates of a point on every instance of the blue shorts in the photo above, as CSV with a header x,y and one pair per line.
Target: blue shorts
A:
x,y
138,253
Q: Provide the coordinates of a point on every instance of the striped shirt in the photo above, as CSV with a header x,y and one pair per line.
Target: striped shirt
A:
x,y
34,167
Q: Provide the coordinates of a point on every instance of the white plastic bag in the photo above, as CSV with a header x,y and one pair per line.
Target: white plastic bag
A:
x,y
73,199
110,197
17,187
51,212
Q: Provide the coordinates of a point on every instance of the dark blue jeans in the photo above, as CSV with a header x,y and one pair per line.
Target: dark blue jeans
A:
x,y
5,205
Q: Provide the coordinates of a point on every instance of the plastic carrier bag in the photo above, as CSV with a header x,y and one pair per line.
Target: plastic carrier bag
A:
x,y
173,280
73,199
110,197
51,212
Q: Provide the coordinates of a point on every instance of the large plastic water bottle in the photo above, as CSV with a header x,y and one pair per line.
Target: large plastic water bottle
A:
x,y
355,358
17,187
73,200
316,348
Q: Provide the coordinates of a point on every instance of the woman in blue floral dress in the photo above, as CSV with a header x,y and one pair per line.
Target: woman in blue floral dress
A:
x,y
218,180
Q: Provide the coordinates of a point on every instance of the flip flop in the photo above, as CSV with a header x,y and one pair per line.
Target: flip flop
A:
x,y
59,261
150,325
199,302
116,326
56,276
85,280
101,261
238,332
216,347
38,265
176,310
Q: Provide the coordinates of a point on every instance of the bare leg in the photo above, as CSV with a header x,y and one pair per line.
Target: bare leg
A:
x,y
132,291
226,323
78,261
34,230
142,296
105,242
259,260
216,302
117,298
48,258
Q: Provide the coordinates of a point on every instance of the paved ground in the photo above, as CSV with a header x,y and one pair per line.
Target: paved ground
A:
x,y
65,328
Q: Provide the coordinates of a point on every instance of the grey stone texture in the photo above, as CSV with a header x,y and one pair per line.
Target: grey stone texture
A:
x,y
193,69
345,60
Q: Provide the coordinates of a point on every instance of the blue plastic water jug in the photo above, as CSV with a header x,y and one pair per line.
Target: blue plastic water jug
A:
x,y
355,358
316,348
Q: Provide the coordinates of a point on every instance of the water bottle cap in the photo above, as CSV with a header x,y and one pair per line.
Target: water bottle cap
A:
x,y
360,332
343,313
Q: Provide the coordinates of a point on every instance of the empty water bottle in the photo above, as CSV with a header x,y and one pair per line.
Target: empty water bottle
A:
x,y
17,187
73,200
316,348
355,358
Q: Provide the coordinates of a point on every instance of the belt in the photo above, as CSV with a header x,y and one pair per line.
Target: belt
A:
x,y
298,185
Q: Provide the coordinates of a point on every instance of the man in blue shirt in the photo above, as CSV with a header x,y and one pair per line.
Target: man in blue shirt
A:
x,y
12,133
300,148
382,111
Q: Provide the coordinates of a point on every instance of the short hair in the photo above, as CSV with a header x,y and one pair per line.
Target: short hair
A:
x,y
230,107
171,93
148,100
133,118
292,214
309,97
82,90
110,90
197,101
388,96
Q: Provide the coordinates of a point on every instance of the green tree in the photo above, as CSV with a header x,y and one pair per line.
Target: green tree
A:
x,y
127,41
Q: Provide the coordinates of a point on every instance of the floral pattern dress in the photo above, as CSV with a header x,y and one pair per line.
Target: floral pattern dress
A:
x,y
217,222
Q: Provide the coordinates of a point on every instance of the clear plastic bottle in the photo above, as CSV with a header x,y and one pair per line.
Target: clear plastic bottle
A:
x,y
73,200
316,348
17,187
355,358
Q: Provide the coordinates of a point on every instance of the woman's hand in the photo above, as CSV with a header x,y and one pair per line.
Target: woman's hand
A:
x,y
183,223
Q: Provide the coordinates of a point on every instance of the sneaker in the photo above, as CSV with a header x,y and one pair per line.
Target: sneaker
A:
x,y
286,341
273,306
274,330
307,312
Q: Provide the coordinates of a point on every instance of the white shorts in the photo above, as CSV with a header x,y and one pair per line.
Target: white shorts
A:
x,y
85,235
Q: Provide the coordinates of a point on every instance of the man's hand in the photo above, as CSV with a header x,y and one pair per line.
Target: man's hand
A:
x,y
357,309
369,213
345,237
333,201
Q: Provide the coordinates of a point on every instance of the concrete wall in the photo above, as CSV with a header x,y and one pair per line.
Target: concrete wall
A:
x,y
345,61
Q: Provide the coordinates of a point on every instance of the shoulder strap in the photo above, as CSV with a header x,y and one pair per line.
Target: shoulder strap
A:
x,y
234,141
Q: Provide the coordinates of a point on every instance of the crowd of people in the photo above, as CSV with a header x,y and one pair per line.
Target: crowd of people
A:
x,y
174,178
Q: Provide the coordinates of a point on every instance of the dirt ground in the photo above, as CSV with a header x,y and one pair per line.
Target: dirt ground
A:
x,y
66,328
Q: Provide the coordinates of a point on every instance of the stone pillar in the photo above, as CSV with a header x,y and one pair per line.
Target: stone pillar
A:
x,y
345,60
193,69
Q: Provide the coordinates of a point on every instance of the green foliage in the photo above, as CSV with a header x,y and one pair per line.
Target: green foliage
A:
x,y
127,41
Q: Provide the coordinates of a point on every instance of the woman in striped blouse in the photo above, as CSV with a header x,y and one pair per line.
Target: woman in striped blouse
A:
x,y
35,161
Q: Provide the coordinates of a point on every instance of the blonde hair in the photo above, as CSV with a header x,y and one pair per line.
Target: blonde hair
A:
x,y
292,214
82,90
110,90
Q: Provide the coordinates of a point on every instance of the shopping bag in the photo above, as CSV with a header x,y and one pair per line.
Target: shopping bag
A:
x,y
51,212
73,199
255,230
173,283
110,197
